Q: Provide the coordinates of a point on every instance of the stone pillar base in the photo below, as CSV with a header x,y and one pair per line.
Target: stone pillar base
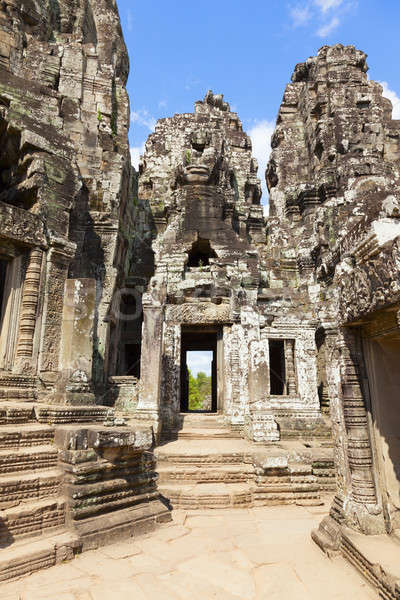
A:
x,y
261,427
376,557
328,536
147,417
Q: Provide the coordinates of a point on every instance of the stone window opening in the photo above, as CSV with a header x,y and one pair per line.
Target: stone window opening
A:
x,y
200,253
282,377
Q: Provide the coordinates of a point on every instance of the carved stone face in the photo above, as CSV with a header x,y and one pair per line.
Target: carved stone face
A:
x,y
200,161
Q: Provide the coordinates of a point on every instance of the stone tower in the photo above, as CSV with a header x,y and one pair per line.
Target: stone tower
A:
x,y
210,287
334,184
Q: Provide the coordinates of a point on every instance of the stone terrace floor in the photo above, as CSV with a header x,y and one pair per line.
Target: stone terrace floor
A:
x,y
246,554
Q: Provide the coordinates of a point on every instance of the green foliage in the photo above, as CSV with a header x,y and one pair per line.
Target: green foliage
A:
x,y
199,391
188,157
99,115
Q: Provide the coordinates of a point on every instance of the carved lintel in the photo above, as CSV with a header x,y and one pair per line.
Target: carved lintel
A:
x,y
21,226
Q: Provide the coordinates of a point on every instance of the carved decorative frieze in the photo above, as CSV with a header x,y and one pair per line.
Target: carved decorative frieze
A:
x,y
21,226
200,313
367,287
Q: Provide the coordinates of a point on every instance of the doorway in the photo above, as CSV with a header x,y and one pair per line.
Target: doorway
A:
x,y
199,389
383,355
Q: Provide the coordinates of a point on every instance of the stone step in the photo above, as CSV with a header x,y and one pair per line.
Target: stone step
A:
x,y
60,414
22,436
207,433
204,495
28,459
196,458
24,558
111,494
16,489
31,519
16,412
205,474
203,421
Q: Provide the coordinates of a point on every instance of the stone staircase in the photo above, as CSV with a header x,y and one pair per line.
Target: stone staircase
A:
x,y
30,481
32,508
211,466
70,481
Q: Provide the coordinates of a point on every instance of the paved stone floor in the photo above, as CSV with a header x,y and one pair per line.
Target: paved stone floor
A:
x,y
223,555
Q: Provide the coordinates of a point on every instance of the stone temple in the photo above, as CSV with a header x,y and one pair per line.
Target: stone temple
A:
x,y
108,278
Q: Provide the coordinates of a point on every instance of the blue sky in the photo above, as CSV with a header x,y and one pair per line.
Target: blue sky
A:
x,y
246,50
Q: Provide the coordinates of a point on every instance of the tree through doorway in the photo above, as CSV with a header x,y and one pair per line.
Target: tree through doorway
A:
x,y
199,371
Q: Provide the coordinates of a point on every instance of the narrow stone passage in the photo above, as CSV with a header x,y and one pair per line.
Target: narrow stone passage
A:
x,y
247,554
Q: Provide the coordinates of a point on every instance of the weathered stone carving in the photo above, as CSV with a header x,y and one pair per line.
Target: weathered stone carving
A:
x,y
66,216
108,280
334,185
198,181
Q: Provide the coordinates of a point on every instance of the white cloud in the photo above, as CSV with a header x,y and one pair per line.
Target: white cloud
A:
x,y
143,117
162,104
300,15
136,152
393,97
191,82
130,20
199,360
325,15
326,29
326,5
260,135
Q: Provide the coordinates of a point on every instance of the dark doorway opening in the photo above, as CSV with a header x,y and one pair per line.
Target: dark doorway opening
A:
x,y
130,343
200,253
277,368
196,340
132,359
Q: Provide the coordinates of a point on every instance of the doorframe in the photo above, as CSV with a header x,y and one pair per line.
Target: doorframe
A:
x,y
213,345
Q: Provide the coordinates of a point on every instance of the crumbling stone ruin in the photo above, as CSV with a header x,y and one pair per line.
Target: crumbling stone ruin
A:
x,y
334,184
70,477
108,278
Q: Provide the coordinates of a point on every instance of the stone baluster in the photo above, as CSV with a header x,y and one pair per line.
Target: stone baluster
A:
x,y
29,304
291,387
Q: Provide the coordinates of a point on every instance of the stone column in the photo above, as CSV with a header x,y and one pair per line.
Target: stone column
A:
x,y
77,341
170,378
355,504
29,305
260,423
232,372
58,258
148,408
359,450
